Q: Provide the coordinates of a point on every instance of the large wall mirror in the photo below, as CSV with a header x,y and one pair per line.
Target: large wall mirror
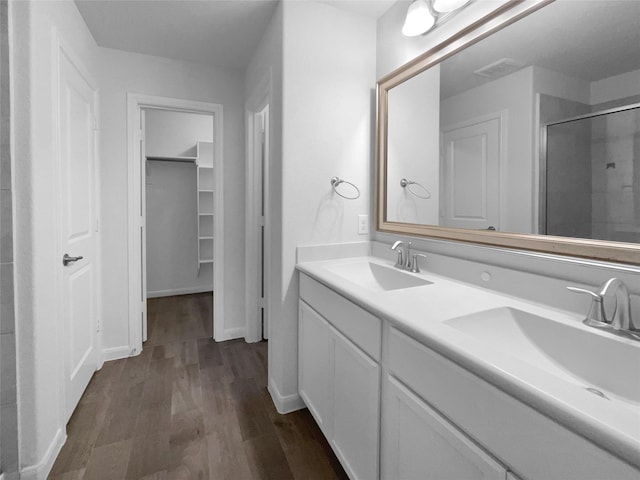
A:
x,y
522,131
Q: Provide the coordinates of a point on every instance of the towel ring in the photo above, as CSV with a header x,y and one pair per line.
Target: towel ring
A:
x,y
335,181
404,183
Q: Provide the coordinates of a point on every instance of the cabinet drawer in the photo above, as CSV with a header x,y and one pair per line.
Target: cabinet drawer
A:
x,y
355,323
521,437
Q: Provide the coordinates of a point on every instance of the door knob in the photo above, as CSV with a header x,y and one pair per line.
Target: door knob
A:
x,y
66,259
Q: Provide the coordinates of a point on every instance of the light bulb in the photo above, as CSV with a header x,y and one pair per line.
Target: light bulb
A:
x,y
444,6
419,19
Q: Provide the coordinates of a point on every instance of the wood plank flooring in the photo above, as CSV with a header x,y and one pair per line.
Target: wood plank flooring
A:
x,y
189,408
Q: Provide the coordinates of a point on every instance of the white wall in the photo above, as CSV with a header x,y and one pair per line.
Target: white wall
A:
x,y
328,104
172,236
511,95
613,88
413,149
265,71
37,263
560,85
121,72
321,108
176,133
172,222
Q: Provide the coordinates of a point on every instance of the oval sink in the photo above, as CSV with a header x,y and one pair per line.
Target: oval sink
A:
x,y
376,277
595,360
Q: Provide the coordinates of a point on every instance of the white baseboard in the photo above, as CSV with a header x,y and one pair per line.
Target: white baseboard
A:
x,y
116,353
179,291
41,470
285,404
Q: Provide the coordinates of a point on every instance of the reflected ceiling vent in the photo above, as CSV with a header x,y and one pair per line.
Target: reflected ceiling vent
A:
x,y
498,69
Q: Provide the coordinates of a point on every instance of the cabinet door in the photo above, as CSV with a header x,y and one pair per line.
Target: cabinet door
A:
x,y
313,364
417,443
356,409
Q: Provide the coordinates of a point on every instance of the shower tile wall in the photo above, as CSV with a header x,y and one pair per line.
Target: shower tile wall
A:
x,y
568,179
8,399
616,176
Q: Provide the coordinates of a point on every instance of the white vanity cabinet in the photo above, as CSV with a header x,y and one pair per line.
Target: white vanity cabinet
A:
x,y
338,379
414,410
417,442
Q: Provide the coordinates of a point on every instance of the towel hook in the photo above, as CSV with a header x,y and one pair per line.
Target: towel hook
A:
x,y
335,181
404,183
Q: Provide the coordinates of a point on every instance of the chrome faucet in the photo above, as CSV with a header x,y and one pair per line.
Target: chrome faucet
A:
x,y
401,260
407,260
620,321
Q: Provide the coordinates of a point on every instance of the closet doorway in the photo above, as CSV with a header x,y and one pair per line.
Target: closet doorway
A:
x,y
175,206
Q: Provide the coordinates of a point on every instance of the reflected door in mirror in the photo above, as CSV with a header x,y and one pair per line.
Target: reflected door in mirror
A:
x,y
471,176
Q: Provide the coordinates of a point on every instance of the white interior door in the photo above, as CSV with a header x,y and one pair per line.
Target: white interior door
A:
x,y
78,230
471,176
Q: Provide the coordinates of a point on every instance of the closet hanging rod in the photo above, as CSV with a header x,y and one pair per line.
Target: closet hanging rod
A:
x,y
156,158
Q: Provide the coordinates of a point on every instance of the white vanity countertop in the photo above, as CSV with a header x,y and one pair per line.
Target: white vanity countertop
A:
x,y
611,423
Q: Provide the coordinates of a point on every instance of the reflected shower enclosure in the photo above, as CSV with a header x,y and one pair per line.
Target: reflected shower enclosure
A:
x,y
592,173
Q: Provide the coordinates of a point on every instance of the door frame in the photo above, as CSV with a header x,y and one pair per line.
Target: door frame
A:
x,y
59,48
135,104
258,103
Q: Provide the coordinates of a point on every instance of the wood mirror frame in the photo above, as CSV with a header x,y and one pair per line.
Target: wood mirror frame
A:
x,y
577,247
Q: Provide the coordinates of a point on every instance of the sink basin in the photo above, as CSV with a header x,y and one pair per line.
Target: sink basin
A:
x,y
376,277
595,360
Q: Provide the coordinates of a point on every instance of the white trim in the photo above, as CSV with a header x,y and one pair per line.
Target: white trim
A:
x,y
135,103
285,404
231,334
41,470
259,102
178,291
116,353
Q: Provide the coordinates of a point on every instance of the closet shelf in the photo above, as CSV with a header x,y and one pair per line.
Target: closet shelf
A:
x,y
205,185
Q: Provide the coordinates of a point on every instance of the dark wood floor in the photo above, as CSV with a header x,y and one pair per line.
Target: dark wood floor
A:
x,y
189,408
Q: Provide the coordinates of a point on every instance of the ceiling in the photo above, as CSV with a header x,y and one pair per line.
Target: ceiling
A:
x,y
586,39
224,33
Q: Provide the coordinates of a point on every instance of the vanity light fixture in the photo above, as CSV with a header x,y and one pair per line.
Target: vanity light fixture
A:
x,y
419,19
422,16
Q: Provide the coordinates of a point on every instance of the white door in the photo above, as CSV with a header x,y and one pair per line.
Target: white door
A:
x,y
471,176
417,443
78,231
